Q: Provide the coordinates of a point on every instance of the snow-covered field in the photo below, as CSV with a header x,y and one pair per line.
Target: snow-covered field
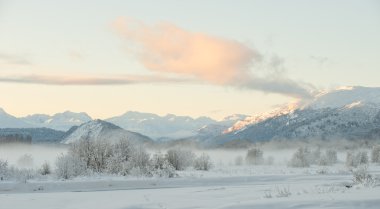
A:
x,y
224,186
284,188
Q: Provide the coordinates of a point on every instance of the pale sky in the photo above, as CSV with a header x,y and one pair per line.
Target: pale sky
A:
x,y
212,58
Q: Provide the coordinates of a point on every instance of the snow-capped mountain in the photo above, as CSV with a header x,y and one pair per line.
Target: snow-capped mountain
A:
x,y
171,126
344,96
251,120
9,121
155,126
349,113
59,121
102,130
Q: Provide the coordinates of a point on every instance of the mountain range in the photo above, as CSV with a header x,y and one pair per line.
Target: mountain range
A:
x,y
351,113
157,127
345,113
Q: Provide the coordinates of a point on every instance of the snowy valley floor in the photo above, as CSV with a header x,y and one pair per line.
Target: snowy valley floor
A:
x,y
235,187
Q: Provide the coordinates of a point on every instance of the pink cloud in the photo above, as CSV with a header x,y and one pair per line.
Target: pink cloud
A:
x,y
167,48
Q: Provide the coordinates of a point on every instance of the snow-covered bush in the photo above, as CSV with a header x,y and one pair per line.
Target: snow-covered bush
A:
x,y
23,174
3,169
68,166
254,156
45,169
180,159
375,154
301,158
161,166
82,149
282,192
362,176
100,153
140,159
203,162
25,160
356,159
121,154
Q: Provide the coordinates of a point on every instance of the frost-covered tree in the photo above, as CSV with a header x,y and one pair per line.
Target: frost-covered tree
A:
x,y
68,166
82,149
180,159
330,157
356,159
100,153
140,158
375,154
254,156
203,162
3,169
121,154
94,153
300,158
161,166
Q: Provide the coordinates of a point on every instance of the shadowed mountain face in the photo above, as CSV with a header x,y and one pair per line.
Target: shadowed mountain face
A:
x,y
38,135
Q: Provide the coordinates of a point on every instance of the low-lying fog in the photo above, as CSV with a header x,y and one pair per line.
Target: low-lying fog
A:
x,y
33,156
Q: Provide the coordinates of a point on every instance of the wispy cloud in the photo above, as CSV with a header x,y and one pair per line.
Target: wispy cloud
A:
x,y
85,80
167,48
175,55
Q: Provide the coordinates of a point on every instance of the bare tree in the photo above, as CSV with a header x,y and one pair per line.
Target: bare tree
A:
x,y
203,162
180,159
300,158
254,156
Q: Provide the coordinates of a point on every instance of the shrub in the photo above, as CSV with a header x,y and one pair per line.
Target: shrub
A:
x,y
140,159
45,169
300,158
69,166
3,169
121,154
203,162
180,159
361,176
356,159
254,156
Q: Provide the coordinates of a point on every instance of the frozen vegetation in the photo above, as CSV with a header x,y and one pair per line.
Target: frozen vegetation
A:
x,y
127,175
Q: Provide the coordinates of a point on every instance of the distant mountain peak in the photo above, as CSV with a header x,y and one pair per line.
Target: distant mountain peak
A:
x,y
102,130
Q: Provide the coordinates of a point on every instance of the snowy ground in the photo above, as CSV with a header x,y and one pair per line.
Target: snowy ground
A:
x,y
225,186
232,187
